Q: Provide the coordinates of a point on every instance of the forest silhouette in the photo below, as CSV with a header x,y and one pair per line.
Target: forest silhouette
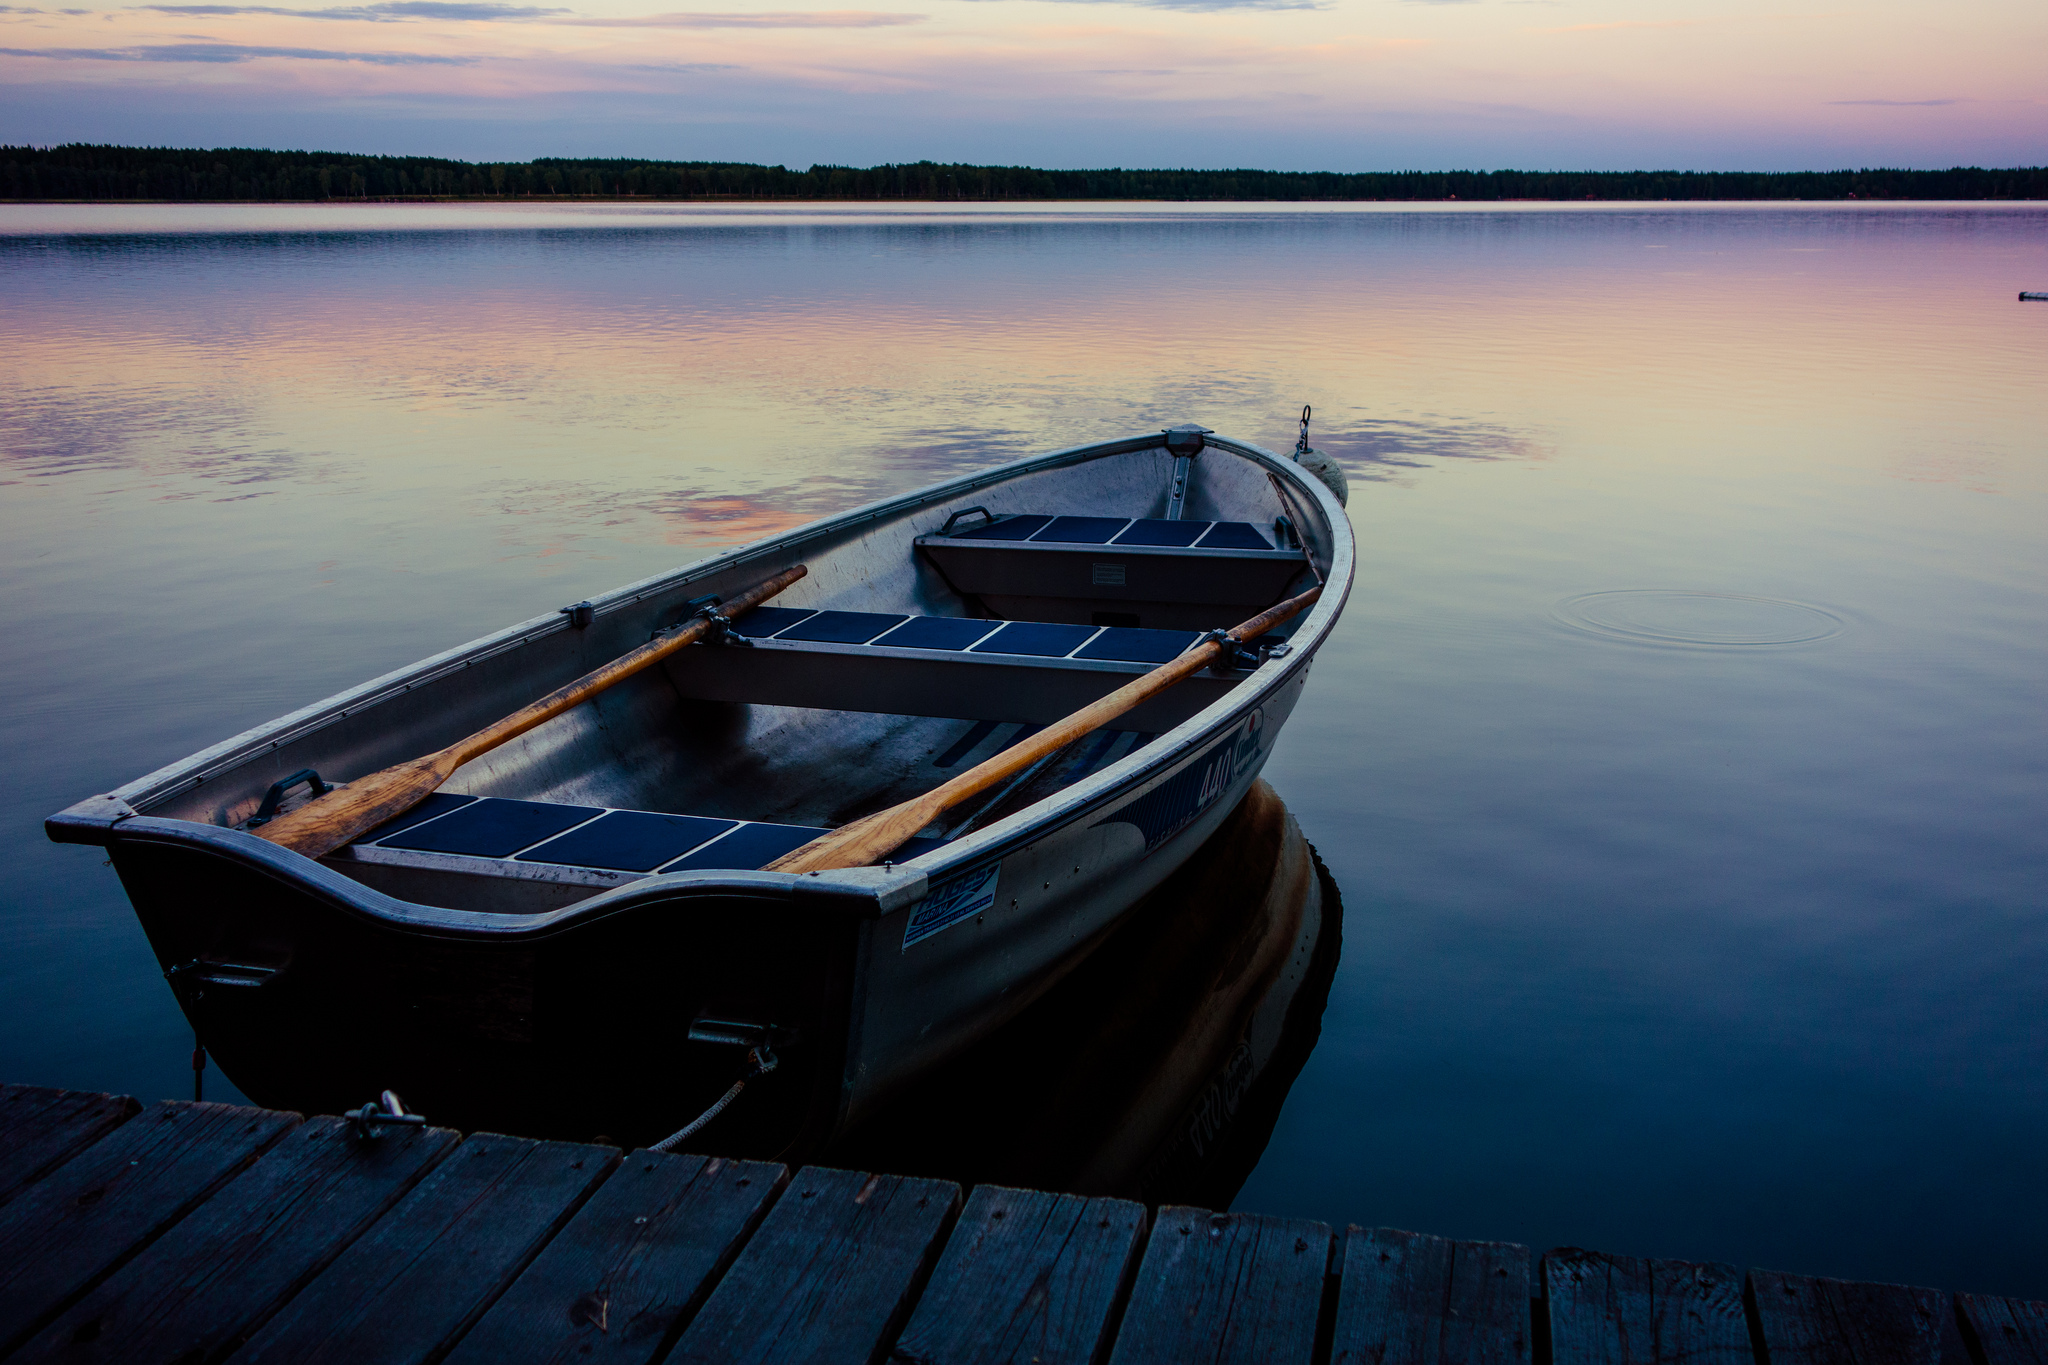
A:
x,y
87,172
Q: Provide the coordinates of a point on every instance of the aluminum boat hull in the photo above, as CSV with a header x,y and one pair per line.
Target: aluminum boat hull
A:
x,y
561,1001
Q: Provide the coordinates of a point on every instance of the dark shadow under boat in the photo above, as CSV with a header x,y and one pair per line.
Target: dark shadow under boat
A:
x,y
1157,1070
1154,1071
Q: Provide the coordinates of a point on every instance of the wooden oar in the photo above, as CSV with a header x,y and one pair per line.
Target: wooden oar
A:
x,y
871,838
345,813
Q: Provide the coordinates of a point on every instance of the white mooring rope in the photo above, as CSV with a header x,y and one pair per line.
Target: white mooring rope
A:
x,y
669,1143
760,1061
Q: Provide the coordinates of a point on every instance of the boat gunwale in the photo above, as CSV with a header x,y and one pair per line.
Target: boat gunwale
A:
x,y
896,886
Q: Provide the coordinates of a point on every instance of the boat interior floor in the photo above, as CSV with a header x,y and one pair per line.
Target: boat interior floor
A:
x,y
799,719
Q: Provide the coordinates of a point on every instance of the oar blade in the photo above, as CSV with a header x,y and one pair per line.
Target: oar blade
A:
x,y
349,812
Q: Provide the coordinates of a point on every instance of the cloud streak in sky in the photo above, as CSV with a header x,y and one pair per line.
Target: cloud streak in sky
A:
x,y
389,12
827,18
1218,6
1215,6
1625,23
1898,104
227,52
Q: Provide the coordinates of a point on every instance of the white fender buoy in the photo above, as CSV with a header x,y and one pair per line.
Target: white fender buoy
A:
x,y
1328,470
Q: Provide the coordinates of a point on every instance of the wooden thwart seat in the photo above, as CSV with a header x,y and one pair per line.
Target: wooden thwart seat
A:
x,y
593,847
967,635
950,667
1082,568
599,846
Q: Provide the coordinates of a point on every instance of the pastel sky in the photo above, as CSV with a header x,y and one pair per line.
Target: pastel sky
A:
x,y
1287,84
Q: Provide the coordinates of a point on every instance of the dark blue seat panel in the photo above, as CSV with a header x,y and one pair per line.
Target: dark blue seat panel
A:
x,y
1035,637
629,841
937,632
440,803
843,627
1081,530
1009,528
1234,535
491,828
1156,531
542,832
766,621
1130,645
747,849
1152,532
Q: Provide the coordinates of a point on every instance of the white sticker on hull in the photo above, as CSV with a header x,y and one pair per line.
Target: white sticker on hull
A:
x,y
952,901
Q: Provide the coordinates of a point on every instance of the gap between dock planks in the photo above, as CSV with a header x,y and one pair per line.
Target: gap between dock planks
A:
x,y
201,1233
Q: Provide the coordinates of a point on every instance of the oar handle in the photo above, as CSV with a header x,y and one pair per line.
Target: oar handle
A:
x,y
349,812
868,840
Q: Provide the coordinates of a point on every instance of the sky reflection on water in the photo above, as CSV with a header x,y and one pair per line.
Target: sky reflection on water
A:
x,y
1672,926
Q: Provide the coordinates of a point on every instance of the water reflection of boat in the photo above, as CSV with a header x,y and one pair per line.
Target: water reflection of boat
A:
x,y
585,931
1155,1070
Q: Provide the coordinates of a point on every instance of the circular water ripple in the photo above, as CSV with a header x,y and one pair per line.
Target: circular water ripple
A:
x,y
1721,620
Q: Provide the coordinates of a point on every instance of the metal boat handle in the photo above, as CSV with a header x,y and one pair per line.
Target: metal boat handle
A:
x,y
947,529
274,798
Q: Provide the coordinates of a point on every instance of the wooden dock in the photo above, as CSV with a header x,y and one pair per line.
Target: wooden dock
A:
x,y
192,1233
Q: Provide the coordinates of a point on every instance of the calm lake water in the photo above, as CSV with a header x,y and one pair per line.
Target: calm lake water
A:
x,y
1681,755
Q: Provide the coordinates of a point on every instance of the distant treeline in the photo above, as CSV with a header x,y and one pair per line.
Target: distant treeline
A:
x,y
79,171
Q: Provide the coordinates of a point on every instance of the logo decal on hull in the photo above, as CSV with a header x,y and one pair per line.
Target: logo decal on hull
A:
x,y
951,901
1168,808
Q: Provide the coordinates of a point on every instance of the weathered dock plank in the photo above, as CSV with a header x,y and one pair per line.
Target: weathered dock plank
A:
x,y
2008,1331
405,1290
83,1220
189,1234
1226,1287
635,1262
1623,1310
830,1274
1411,1299
41,1129
1806,1320
1026,1277
217,1275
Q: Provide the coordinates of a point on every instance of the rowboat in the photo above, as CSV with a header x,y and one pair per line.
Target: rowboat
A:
x,y
642,892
